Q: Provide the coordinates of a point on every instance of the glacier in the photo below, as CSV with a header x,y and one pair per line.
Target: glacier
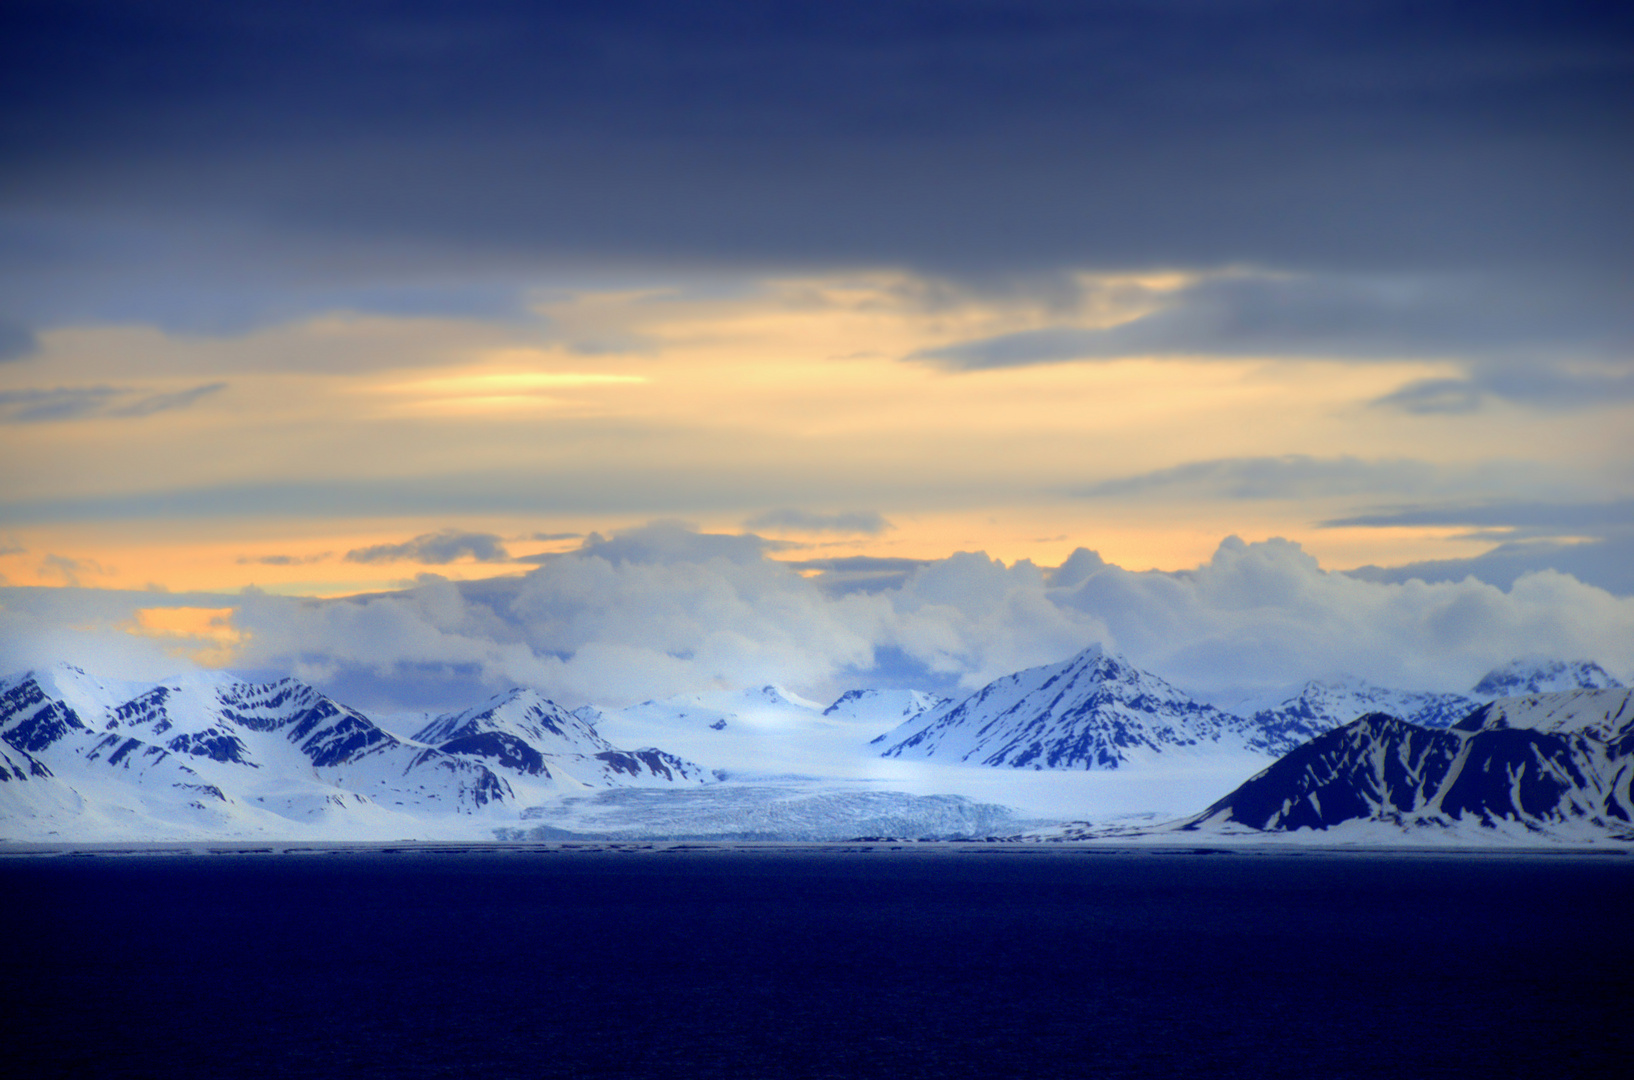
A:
x,y
1088,747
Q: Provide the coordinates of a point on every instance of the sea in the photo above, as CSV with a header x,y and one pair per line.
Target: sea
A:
x,y
863,960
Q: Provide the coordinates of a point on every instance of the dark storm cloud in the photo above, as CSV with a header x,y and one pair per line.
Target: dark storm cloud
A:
x,y
663,542
281,560
1607,562
1536,518
859,564
1592,541
1334,316
858,573
79,403
158,403
1290,476
1539,387
269,154
435,549
16,342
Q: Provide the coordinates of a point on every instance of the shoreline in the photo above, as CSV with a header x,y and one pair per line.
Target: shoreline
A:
x,y
861,846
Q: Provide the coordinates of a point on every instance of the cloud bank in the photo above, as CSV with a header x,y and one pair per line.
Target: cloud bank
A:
x,y
1520,338
663,610
958,137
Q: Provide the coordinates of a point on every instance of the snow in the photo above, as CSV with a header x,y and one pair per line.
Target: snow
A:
x,y
1535,676
1552,767
211,755
1089,747
1603,714
1320,706
760,731
1094,711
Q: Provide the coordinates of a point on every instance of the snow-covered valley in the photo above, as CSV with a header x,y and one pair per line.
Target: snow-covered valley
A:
x,y
1091,746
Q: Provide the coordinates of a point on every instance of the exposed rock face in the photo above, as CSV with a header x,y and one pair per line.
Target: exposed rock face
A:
x,y
1541,761
522,733
210,753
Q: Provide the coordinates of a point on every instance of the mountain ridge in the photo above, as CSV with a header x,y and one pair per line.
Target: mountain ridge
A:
x,y
1539,762
209,752
1094,710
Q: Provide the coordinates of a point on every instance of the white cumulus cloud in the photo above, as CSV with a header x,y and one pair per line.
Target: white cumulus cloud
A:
x,y
664,610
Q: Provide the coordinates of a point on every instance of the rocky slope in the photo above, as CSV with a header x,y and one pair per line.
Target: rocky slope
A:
x,y
213,755
1543,763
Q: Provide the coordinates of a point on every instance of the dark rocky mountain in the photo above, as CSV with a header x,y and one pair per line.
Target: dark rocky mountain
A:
x,y
1544,763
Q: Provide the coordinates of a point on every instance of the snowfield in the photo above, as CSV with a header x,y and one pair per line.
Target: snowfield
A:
x,y
1090,748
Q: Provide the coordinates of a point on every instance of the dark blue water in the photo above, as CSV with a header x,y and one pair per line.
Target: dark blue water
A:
x,y
816,965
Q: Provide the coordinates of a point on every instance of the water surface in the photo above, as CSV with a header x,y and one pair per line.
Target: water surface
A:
x,y
817,964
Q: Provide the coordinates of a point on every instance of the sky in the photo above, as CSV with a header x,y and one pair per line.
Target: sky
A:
x,y
624,349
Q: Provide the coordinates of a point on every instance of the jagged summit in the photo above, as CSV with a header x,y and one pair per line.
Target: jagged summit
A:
x,y
524,734
1093,711
1603,714
74,687
1541,676
777,696
879,708
1322,705
211,754
1537,764
520,712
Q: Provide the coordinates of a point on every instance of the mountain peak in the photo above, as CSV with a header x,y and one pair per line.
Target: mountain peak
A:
x,y
1094,654
1554,761
1535,675
1092,711
772,694
1322,705
519,713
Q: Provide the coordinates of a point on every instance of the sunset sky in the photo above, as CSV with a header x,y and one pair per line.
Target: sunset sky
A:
x,y
630,305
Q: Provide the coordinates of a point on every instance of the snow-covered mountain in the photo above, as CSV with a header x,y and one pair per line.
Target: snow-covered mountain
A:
x,y
718,710
1521,677
759,730
534,742
286,728
1320,707
213,755
878,708
210,752
1094,711
1556,764
1099,711
209,755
